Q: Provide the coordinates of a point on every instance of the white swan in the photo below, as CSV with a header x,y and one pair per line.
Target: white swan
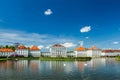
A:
x,y
64,64
85,64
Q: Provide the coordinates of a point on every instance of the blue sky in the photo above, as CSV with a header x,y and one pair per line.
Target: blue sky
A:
x,y
46,22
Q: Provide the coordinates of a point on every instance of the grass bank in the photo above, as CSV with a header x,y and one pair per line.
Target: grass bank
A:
x,y
19,58
65,58
117,58
49,58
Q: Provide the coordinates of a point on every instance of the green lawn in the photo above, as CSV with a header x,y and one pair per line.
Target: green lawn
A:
x,y
65,59
23,58
51,58
117,58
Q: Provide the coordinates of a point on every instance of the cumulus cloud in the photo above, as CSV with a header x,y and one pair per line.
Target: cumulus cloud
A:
x,y
85,29
48,47
115,43
12,36
28,46
40,46
68,45
22,37
48,12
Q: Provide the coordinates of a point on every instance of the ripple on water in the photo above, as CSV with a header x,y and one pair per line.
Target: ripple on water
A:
x,y
96,69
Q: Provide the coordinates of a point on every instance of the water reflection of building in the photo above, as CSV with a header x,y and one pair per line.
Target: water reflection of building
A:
x,y
34,65
57,65
110,61
96,62
70,66
44,66
21,65
6,65
9,64
81,65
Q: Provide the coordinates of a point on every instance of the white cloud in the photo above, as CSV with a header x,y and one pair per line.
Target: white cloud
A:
x,y
12,36
85,29
40,46
28,46
48,12
87,37
48,47
68,45
115,43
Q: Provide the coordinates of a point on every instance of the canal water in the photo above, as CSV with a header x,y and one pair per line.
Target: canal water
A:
x,y
96,69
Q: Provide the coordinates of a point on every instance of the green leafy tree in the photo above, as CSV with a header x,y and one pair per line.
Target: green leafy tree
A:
x,y
6,46
12,47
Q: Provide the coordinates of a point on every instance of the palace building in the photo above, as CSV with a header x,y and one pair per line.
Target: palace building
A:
x,y
4,52
58,50
94,52
111,52
34,52
91,52
80,52
22,50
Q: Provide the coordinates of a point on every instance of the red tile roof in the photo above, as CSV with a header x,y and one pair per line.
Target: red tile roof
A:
x,y
6,50
80,48
21,47
110,51
58,45
94,48
34,48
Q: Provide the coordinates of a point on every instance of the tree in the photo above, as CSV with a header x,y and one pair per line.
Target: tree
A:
x,y
12,47
28,47
6,46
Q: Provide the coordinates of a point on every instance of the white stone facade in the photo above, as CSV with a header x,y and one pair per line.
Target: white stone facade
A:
x,y
45,54
58,50
91,52
23,52
110,54
94,53
5,54
35,53
81,53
